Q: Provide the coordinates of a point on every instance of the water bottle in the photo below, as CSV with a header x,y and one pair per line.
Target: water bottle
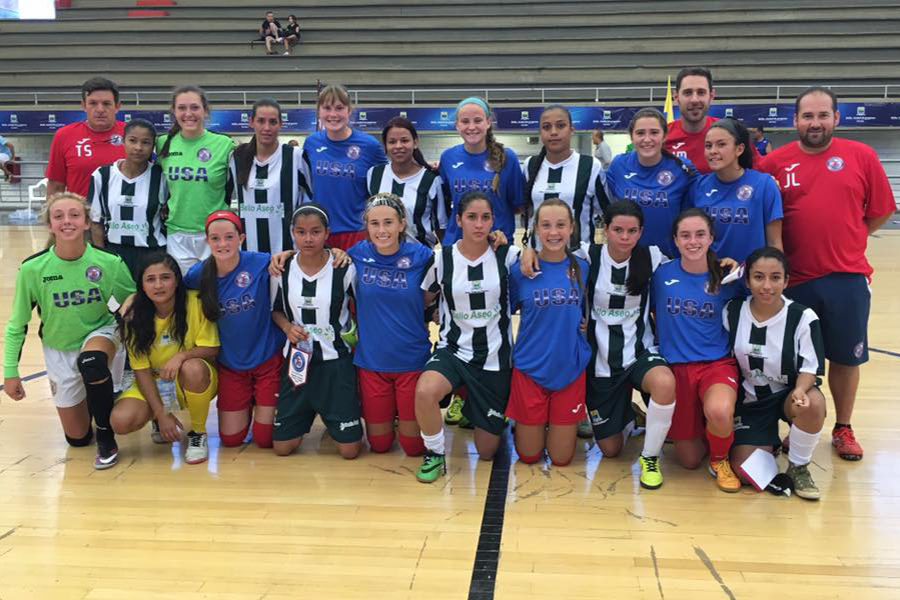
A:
x,y
305,345
167,394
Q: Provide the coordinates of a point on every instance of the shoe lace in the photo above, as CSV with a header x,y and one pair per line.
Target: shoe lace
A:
x,y
723,469
651,463
845,435
196,441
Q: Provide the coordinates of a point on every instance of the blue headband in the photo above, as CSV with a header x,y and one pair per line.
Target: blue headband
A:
x,y
477,101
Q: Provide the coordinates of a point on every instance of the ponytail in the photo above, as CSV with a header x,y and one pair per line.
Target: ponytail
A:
x,y
534,166
715,272
420,160
496,157
172,132
209,290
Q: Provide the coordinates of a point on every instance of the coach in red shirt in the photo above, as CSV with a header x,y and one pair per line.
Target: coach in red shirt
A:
x,y
835,193
686,137
80,148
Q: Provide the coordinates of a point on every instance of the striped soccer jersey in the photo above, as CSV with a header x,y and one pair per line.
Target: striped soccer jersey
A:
x,y
318,303
422,196
772,353
266,202
475,323
619,327
129,209
580,182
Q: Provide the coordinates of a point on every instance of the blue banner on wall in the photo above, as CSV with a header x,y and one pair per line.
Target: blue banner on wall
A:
x,y
303,120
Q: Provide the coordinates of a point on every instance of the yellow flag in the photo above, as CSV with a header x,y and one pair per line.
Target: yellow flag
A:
x,y
667,108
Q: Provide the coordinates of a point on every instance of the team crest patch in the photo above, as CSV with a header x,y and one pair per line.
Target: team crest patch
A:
x,y
664,177
298,361
243,279
835,163
93,274
203,154
353,152
115,140
858,350
404,263
745,192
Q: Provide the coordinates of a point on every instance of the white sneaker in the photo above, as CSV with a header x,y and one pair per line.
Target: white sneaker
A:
x,y
286,53
197,451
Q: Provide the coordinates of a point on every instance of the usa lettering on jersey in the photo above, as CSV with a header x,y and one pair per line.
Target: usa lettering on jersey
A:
x,y
187,174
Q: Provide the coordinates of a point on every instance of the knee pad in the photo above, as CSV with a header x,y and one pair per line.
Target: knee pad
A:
x,y
230,440
262,434
92,366
412,446
529,460
381,443
82,441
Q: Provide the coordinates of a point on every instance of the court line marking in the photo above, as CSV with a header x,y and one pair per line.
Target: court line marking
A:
x,y
487,554
888,352
29,377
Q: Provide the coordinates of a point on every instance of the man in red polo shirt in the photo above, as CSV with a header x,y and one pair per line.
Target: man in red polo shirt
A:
x,y
835,194
79,149
694,93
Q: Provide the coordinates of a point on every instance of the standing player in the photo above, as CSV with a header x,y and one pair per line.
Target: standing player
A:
x,y
688,298
71,283
77,150
481,164
835,194
744,204
778,347
268,178
127,197
762,143
651,176
410,177
195,162
337,160
475,345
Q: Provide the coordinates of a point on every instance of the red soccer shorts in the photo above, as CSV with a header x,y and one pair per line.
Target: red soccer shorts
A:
x,y
345,239
691,382
531,404
236,388
387,394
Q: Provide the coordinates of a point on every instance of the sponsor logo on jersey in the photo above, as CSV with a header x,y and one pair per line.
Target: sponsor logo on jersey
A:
x,y
115,140
677,146
348,424
596,419
404,262
792,167
308,301
353,152
493,413
745,192
475,286
671,281
321,148
52,278
243,279
739,424
835,163
129,200
203,154
93,273
457,165
576,409
711,192
665,177
165,339
756,350
858,350
368,260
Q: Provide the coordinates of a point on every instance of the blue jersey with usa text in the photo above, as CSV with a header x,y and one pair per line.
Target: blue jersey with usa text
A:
x,y
550,346
661,192
390,307
464,172
741,209
337,175
247,333
688,319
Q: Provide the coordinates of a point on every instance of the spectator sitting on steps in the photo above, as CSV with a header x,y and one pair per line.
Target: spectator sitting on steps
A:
x,y
270,31
291,34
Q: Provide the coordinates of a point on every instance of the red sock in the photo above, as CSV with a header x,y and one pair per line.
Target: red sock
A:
x,y
262,434
230,440
381,443
718,446
528,460
412,446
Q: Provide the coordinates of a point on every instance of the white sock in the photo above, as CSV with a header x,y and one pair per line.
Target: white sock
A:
x,y
659,419
434,443
802,446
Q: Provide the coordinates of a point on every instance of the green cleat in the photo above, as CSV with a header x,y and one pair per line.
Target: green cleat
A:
x,y
804,486
651,476
433,466
454,411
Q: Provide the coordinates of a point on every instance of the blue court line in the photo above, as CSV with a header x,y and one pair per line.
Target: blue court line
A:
x,y
29,377
888,352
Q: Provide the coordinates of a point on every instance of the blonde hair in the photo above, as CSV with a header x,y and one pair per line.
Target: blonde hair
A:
x,y
333,92
51,240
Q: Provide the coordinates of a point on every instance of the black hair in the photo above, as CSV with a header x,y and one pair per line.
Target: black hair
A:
x,y
765,252
716,273
535,163
96,84
139,328
470,197
574,267
640,264
175,128
140,123
650,112
693,71
740,135
310,208
759,127
404,123
246,152
814,90
294,17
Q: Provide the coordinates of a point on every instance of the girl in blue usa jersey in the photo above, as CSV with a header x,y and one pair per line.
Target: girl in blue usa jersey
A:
x,y
551,351
688,297
234,294
393,337
481,164
654,178
745,205
337,158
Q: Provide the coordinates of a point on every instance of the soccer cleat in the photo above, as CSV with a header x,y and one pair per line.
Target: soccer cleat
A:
x,y
197,451
433,466
454,411
651,476
725,477
155,435
845,443
585,430
107,454
804,486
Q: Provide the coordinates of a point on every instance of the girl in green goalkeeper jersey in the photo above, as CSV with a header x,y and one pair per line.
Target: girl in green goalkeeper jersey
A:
x,y
195,163
74,286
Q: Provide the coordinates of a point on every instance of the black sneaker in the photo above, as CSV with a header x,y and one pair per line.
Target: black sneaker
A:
x,y
107,453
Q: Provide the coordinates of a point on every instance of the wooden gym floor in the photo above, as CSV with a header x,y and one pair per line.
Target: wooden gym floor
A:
x,y
249,525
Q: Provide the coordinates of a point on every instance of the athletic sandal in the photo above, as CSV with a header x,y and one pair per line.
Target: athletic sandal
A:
x,y
585,431
725,477
845,443
107,454
155,435
804,486
651,476
433,466
454,410
197,451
